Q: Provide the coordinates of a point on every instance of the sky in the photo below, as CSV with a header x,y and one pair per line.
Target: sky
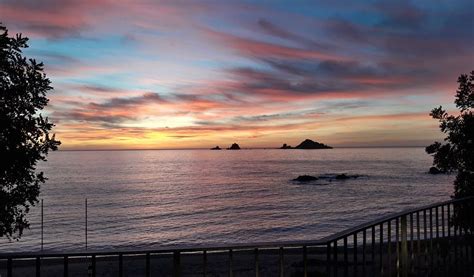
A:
x,y
195,74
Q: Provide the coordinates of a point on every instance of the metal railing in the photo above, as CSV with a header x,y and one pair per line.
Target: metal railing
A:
x,y
421,241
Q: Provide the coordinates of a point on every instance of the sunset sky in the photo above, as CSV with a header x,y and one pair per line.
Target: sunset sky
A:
x,y
192,74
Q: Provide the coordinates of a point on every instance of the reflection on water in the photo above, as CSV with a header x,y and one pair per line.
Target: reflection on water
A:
x,y
152,198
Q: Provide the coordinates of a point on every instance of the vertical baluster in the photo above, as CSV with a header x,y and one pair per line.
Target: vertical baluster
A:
x,y
204,263
425,241
38,266
449,244
460,236
282,263
328,259
66,266
147,265
355,254
231,261
346,260
443,234
305,261
93,266
455,239
120,265
471,220
397,245
389,242
42,224
364,242
412,244
257,270
448,216
471,208
431,240
442,221
418,239
335,257
373,250
85,223
404,246
9,267
381,249
437,222
176,264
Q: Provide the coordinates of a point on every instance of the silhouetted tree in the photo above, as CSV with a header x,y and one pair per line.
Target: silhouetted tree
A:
x,y
457,153
24,133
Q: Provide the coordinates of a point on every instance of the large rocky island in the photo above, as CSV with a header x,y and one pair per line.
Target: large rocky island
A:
x,y
307,144
234,146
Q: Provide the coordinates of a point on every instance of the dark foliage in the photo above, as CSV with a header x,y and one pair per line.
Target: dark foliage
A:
x,y
456,154
24,133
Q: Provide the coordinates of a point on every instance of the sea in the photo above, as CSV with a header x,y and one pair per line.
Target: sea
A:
x,y
155,198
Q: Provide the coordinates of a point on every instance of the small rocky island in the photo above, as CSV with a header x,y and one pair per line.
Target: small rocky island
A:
x,y
216,148
327,177
435,170
307,144
234,146
305,178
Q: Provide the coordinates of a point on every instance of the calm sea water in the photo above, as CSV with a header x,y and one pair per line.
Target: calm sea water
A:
x,y
182,197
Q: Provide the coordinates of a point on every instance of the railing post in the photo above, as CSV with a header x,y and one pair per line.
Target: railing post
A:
x,y
404,250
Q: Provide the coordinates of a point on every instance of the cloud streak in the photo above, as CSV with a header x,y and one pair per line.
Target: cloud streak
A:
x,y
143,73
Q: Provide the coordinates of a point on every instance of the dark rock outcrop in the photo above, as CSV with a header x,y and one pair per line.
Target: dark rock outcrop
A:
x,y
305,178
344,176
309,144
216,148
285,146
338,177
234,146
435,170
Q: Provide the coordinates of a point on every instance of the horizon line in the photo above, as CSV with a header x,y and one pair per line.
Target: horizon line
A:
x,y
246,148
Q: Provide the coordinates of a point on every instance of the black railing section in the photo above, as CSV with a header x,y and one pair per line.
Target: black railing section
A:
x,y
417,242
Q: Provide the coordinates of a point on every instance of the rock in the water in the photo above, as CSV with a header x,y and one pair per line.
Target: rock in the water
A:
x,y
309,144
344,176
305,178
285,146
434,170
341,177
234,146
216,148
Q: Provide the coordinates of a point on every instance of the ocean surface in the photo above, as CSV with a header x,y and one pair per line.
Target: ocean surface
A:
x,y
183,197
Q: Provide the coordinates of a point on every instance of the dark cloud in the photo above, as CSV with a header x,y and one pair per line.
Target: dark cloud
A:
x,y
85,116
128,102
400,14
403,46
270,28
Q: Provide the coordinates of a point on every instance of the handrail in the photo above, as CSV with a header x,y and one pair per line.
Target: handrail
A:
x,y
390,217
240,246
